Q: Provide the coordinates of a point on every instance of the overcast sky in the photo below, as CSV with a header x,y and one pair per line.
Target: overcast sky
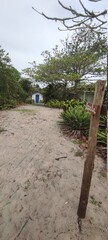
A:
x,y
24,34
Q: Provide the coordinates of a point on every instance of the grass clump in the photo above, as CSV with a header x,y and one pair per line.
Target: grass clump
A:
x,y
79,153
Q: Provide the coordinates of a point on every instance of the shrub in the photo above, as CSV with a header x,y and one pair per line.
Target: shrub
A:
x,y
77,118
72,103
63,104
8,104
55,104
103,122
102,137
29,100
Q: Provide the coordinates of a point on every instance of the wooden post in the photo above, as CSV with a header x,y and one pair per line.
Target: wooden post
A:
x,y
92,141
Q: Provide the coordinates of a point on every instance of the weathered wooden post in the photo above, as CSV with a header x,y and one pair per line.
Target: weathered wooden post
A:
x,y
92,141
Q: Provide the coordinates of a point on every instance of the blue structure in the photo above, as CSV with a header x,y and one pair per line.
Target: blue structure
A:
x,y
37,97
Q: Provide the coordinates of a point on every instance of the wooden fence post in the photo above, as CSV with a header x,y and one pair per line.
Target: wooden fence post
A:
x,y
92,141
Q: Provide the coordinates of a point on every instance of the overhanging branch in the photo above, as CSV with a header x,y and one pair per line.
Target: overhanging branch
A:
x,y
80,19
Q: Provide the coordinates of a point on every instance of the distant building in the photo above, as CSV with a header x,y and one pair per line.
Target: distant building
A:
x,y
86,96
37,97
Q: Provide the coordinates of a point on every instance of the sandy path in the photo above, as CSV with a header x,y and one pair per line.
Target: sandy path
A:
x,y
38,194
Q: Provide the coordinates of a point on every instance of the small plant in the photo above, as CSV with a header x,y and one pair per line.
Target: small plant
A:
x,y
79,153
94,202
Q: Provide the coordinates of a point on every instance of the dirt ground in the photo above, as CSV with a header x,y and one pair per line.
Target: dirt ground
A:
x,y
40,180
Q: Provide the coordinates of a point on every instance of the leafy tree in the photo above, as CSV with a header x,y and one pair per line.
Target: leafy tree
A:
x,y
80,20
56,91
37,88
26,85
11,91
78,57
4,58
86,53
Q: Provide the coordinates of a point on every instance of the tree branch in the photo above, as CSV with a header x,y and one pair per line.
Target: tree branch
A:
x,y
73,11
51,18
85,18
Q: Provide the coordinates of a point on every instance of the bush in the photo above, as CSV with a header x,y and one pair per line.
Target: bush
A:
x,y
77,118
29,100
55,104
8,104
57,91
103,122
72,103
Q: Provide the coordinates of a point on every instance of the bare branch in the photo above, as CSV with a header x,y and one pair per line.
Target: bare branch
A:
x,y
94,0
85,9
73,11
36,10
76,25
51,18
80,19
56,19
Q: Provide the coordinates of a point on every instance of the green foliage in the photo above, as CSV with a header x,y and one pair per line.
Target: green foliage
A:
x,y
72,103
63,69
56,91
29,100
11,103
102,137
78,57
86,87
102,133
11,91
55,104
77,118
26,85
37,88
93,200
103,122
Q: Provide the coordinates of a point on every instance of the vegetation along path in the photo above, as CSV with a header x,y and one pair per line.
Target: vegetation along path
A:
x,y
40,180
